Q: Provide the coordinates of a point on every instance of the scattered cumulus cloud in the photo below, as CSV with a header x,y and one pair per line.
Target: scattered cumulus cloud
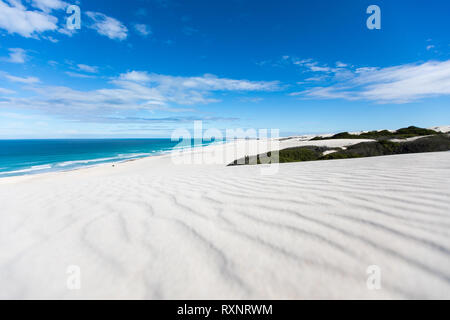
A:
x,y
86,68
191,90
16,18
312,65
79,75
397,84
138,76
130,92
251,99
51,39
16,55
108,26
6,91
142,29
207,82
317,78
49,5
33,18
67,32
26,80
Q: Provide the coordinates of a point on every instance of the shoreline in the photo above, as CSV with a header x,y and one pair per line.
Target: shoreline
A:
x,y
250,147
112,162
242,147
303,139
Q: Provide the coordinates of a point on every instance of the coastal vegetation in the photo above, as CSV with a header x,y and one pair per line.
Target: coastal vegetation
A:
x,y
428,141
402,133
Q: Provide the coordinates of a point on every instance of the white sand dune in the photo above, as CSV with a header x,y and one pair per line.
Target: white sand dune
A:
x,y
441,129
150,229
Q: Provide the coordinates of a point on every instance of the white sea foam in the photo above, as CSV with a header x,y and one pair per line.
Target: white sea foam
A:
x,y
120,157
31,169
74,164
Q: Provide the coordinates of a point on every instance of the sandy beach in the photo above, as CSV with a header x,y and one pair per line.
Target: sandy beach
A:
x,y
154,229
246,152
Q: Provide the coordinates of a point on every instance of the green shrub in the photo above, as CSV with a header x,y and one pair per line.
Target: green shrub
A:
x,y
402,133
300,154
415,131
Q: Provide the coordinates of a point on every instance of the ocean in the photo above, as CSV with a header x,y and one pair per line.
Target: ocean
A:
x,y
21,157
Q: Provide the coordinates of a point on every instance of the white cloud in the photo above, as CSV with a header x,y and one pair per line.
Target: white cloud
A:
x,y
135,90
207,82
15,18
107,26
143,29
51,39
317,78
191,90
27,80
48,5
429,47
315,68
86,68
78,75
17,55
211,82
67,32
398,84
6,91
324,93
251,99
312,65
138,76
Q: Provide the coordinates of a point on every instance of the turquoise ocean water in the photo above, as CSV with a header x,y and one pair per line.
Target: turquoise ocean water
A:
x,y
20,157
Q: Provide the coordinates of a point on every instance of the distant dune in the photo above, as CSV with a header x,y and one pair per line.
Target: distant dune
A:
x,y
441,129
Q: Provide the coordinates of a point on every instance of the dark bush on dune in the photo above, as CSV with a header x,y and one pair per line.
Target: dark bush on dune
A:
x,y
439,142
301,154
287,155
251,160
415,131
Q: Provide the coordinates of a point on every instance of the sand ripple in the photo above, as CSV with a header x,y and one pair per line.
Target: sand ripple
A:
x,y
153,230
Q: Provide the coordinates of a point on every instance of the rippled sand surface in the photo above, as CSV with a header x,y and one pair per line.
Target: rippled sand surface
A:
x,y
150,229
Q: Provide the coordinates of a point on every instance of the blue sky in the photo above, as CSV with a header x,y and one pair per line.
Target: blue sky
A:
x,y
143,68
